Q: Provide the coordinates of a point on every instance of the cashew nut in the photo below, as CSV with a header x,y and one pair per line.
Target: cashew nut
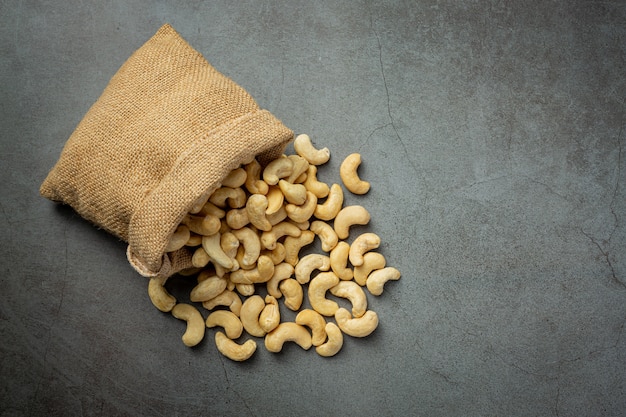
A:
x,y
331,207
309,263
237,218
353,292
194,240
350,177
208,288
256,206
334,343
229,244
277,217
269,318
251,244
275,199
363,243
316,322
356,327
200,258
195,323
227,320
249,315
253,183
212,209
261,273
232,350
339,261
320,189
282,271
377,279
317,293
287,332
277,254
300,168
279,168
371,262
293,245
202,225
292,291
159,296
245,289
303,212
178,239
269,238
303,147
229,197
235,179
349,216
293,193
326,234
228,299
212,245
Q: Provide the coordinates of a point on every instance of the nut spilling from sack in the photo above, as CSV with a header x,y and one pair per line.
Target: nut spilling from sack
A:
x,y
247,238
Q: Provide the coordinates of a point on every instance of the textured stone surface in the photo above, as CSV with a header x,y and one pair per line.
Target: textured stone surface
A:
x,y
493,135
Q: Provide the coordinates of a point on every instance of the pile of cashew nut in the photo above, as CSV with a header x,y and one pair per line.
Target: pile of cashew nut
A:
x,y
246,239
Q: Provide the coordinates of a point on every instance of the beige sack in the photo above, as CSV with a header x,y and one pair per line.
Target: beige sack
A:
x,y
167,129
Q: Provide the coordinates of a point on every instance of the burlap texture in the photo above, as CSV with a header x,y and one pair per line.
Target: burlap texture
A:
x,y
167,128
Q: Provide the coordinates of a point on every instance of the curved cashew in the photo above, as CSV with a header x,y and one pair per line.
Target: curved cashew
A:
x,y
320,189
363,243
316,322
228,299
377,279
254,184
356,327
212,246
237,218
334,343
235,179
275,199
349,216
279,168
159,296
208,288
269,318
251,243
317,293
292,290
178,239
350,177
308,263
227,320
282,271
245,289
232,350
277,217
261,273
228,197
303,147
371,261
256,206
300,168
287,332
353,292
194,240
195,323
339,261
249,315
294,193
331,207
269,238
293,245
212,209
229,244
200,258
326,234
202,225
277,254
303,212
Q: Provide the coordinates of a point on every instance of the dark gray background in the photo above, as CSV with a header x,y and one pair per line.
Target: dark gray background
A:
x,y
493,135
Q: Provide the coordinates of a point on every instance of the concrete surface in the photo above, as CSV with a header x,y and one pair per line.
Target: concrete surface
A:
x,y
493,135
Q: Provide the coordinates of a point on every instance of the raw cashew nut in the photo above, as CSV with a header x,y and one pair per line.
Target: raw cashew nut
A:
x,y
194,240
334,343
349,216
292,290
200,258
316,322
249,315
279,168
377,279
339,261
303,147
227,320
277,217
353,292
300,168
275,199
245,289
232,350
371,261
269,318
331,207
356,327
287,332
256,206
254,184
235,179
229,197
212,209
282,271
208,288
317,293
261,273
293,245
178,239
159,296
237,218
251,244
320,189
350,177
195,323
269,238
212,246
362,244
303,212
228,299
277,254
202,225
293,193
308,263
326,234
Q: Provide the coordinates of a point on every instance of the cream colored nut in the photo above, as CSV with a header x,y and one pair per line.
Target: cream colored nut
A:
x,y
233,350
178,239
245,289
228,299
208,288
249,315
326,234
237,218
350,216
275,199
195,323
227,320
353,292
213,210
269,318
254,184
263,271
256,206
251,243
287,332
282,272
194,240
200,258
363,243
279,168
371,261
334,343
293,293
339,261
285,228
277,217
235,179
316,322
377,279
300,168
202,225
308,263
331,207
277,254
225,197
350,177
356,327
293,245
317,293
293,193
320,189
301,225
229,244
303,147
212,246
303,212
159,296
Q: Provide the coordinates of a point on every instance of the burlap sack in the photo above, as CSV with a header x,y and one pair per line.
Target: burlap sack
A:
x,y
167,128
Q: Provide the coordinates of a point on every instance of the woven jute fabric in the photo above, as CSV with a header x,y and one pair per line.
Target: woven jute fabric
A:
x,y
167,129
